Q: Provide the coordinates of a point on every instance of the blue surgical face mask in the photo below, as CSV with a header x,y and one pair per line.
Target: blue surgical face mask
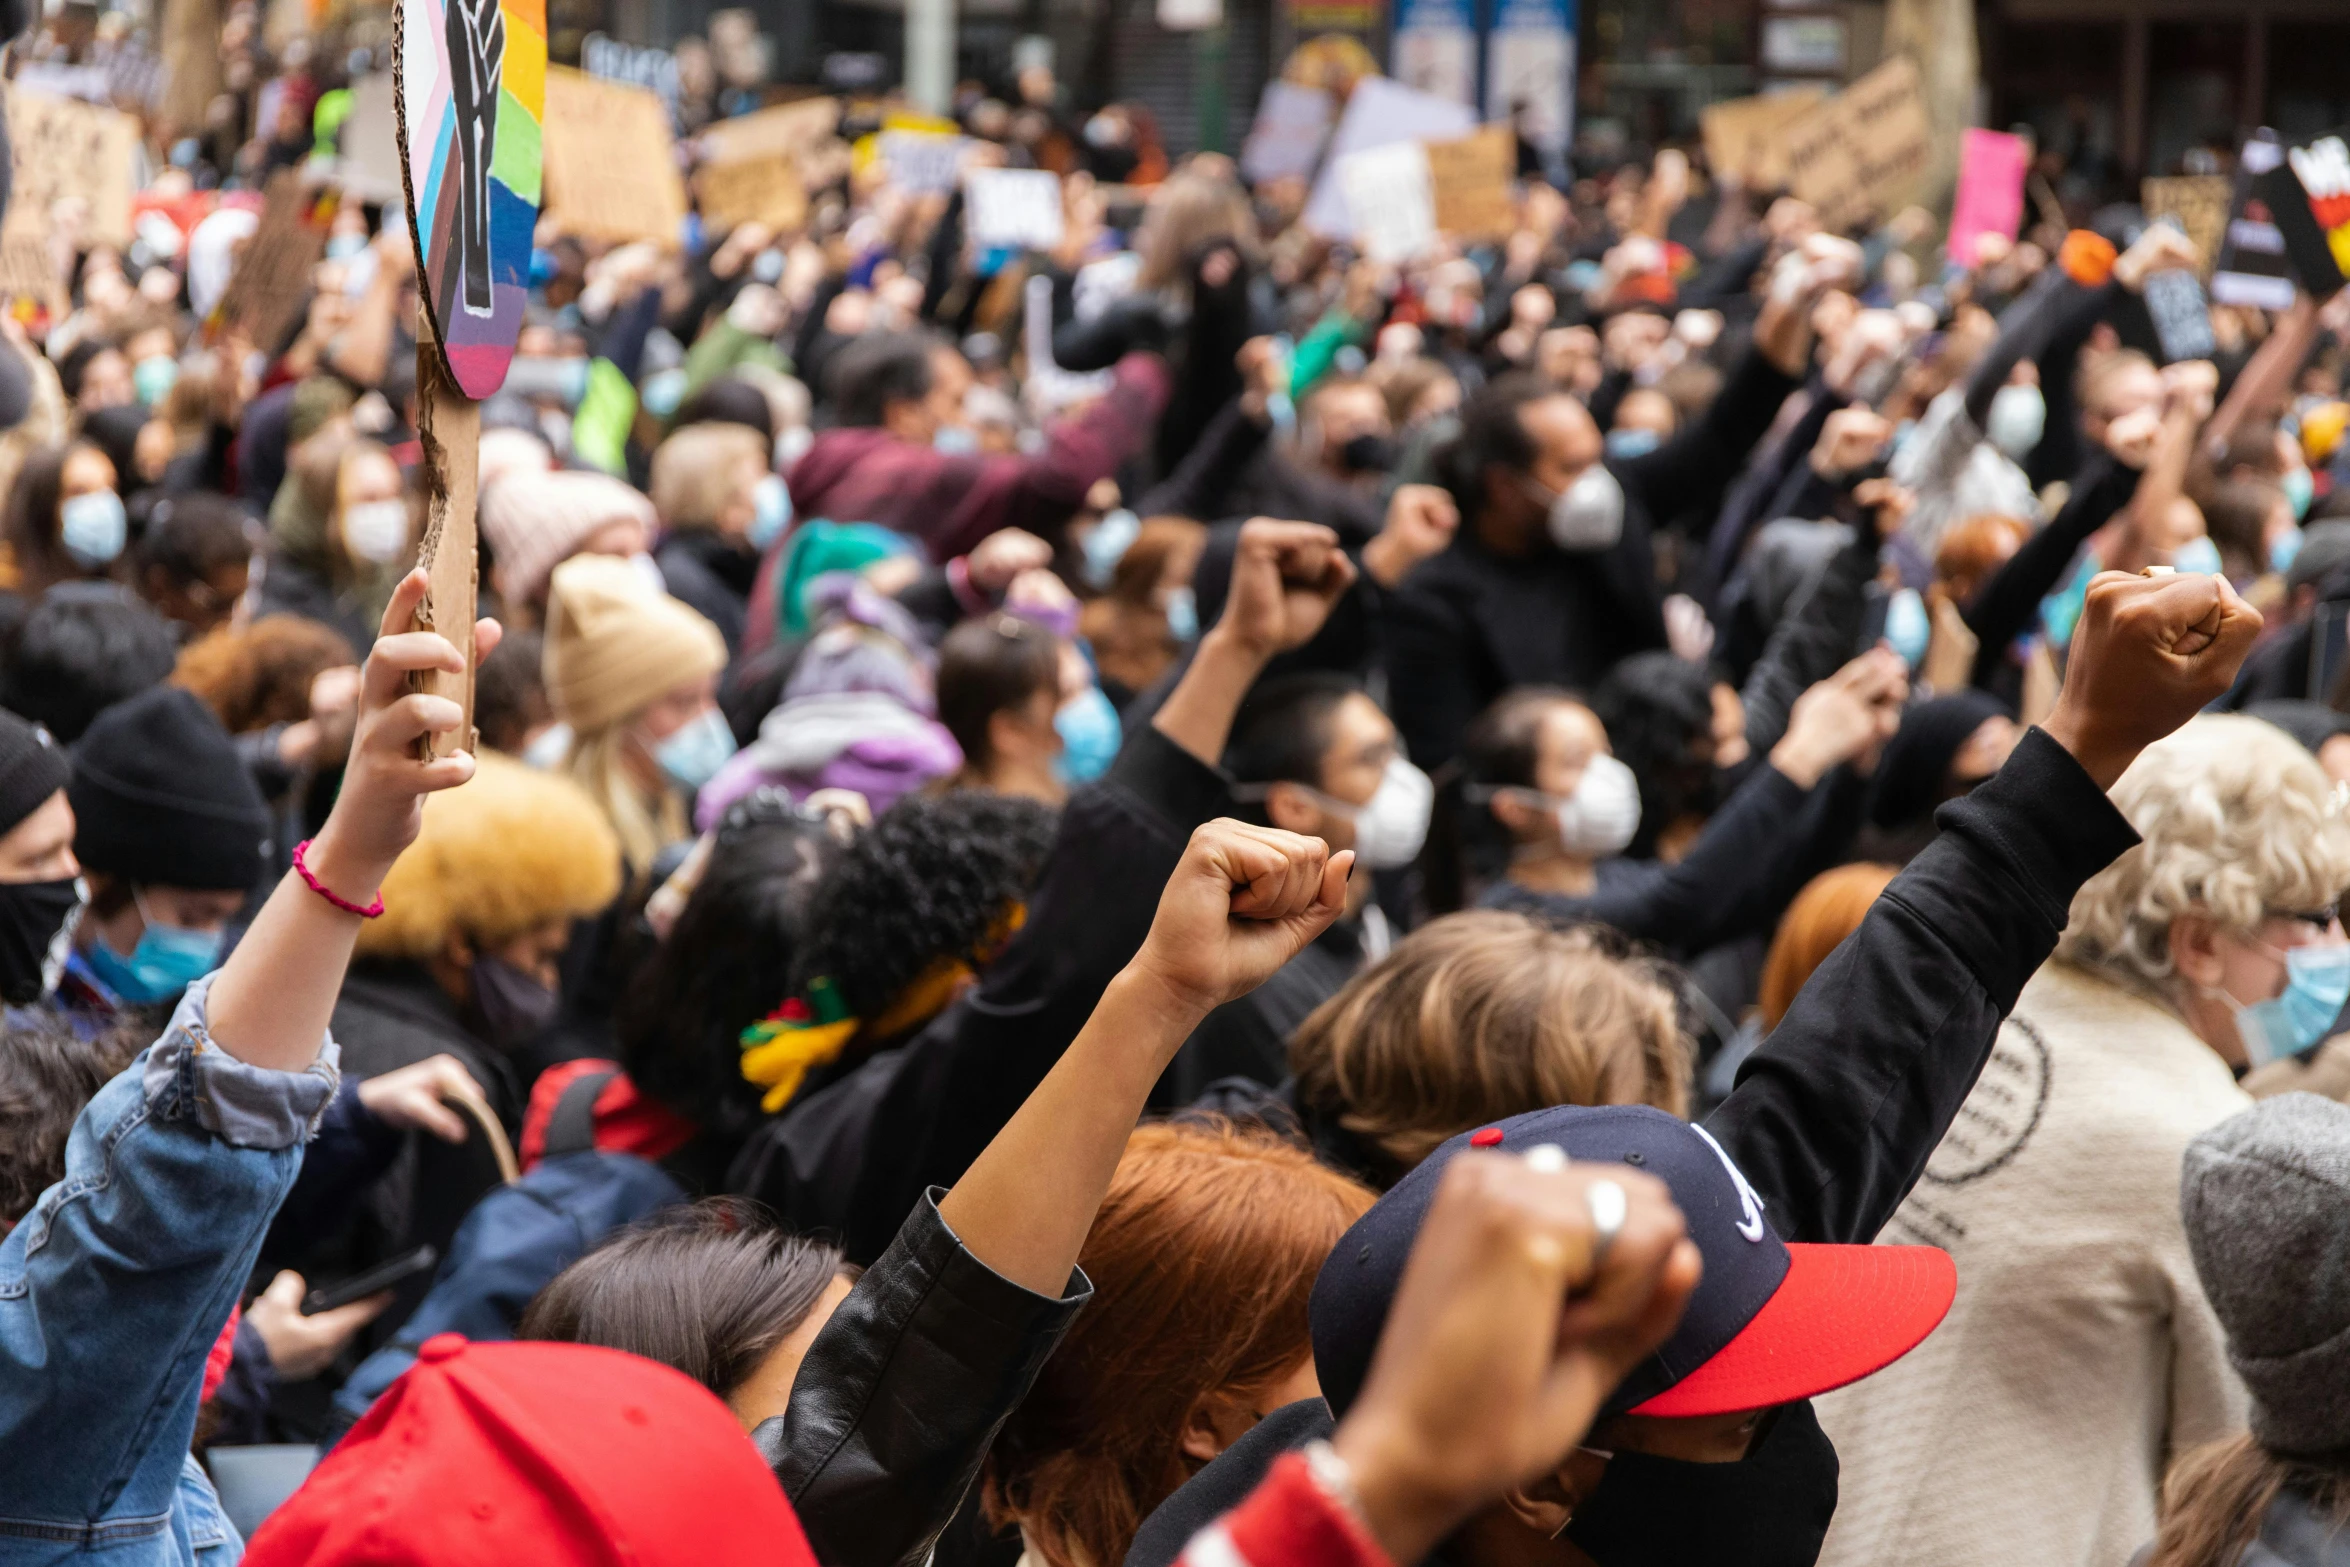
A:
x,y
1183,613
342,247
771,512
692,755
166,960
1622,444
2317,983
550,749
1907,626
662,392
956,440
2285,551
767,266
1090,732
2198,554
92,528
2300,489
152,377
1107,544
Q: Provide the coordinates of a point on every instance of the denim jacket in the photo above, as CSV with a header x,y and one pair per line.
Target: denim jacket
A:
x,y
117,1284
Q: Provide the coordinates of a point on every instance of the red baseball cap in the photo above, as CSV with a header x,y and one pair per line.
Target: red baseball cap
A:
x,y
491,1454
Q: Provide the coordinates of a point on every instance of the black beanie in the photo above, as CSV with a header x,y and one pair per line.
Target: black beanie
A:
x,y
1916,765
161,798
32,768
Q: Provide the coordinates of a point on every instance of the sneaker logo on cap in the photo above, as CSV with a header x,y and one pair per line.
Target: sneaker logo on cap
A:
x,y
1750,1221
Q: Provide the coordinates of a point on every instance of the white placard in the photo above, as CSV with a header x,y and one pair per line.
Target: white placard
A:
x,y
921,161
1018,209
1380,113
1390,200
1291,125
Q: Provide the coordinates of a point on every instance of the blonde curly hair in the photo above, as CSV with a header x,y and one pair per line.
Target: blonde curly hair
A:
x,y
2237,819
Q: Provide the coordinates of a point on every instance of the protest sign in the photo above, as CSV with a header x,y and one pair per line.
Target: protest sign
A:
x,y
2198,203
367,160
655,70
611,166
1379,113
798,129
1530,66
270,286
472,79
1990,196
1285,141
2308,197
1865,150
1390,205
2252,269
72,152
1014,209
1471,178
1743,136
2181,316
763,189
922,161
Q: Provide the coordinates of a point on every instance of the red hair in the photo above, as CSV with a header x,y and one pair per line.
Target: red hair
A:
x,y
1202,1260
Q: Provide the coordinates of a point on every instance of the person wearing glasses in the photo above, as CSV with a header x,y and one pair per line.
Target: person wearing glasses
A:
x,y
2081,1353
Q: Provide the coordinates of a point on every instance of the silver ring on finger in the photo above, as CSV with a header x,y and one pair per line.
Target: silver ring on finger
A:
x,y
1609,1208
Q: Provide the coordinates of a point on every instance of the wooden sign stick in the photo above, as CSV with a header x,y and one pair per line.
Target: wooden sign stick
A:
x,y
450,430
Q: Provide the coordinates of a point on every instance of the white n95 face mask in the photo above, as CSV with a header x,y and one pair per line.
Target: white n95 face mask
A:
x,y
1393,823
1603,813
1589,513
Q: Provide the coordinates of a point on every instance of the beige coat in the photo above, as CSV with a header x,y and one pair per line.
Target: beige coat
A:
x,y
2035,1424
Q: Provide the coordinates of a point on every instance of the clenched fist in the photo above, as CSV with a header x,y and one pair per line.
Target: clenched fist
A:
x,y
2150,653
1243,901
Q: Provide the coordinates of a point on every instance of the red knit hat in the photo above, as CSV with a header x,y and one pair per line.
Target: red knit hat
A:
x,y
485,1455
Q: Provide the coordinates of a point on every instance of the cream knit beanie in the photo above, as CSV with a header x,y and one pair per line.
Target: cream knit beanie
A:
x,y
534,520
614,645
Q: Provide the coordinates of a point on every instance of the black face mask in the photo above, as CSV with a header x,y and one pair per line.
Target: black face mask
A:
x,y
513,1006
1770,1509
1367,454
37,920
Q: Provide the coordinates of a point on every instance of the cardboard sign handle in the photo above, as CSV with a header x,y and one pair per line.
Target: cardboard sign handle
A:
x,y
449,428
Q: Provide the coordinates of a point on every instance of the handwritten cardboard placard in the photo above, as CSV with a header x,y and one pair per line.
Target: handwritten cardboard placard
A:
x,y
68,152
1285,140
611,166
1390,200
2198,203
1990,197
270,286
762,189
2181,316
1865,150
1471,179
1743,136
1016,209
367,160
800,130
472,80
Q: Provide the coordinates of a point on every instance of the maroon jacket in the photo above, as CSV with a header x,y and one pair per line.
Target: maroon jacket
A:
x,y
949,502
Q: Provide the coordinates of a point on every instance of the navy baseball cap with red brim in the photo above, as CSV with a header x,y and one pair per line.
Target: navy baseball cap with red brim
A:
x,y
1768,1324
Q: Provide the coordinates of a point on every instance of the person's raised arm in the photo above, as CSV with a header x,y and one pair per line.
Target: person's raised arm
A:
x,y
270,1004
2186,403
2266,384
1243,901
1834,1116
1286,576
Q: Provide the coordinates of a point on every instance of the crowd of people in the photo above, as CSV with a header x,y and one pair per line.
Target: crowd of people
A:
x,y
1663,891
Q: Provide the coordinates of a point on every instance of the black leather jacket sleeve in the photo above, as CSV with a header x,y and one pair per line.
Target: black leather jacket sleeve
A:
x,y
1835,1115
902,1392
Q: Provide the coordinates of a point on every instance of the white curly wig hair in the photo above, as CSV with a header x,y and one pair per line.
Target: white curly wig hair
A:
x,y
2237,819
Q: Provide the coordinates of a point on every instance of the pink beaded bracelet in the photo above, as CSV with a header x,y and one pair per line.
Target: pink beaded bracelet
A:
x,y
302,869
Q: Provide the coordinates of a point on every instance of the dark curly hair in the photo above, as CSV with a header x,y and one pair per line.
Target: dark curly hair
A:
x,y
931,879
1658,710
723,967
47,1074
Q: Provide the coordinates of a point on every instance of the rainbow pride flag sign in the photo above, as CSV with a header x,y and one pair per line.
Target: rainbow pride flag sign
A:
x,y
472,97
